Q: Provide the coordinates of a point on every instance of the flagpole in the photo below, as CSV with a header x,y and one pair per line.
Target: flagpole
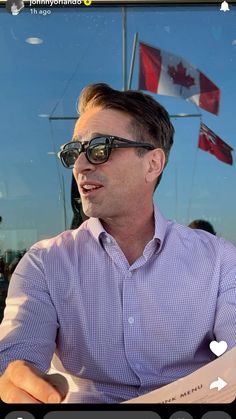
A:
x,y
193,179
132,60
186,115
192,185
176,192
180,115
124,48
64,200
60,176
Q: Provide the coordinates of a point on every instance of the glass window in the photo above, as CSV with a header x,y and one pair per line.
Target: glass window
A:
x,y
49,54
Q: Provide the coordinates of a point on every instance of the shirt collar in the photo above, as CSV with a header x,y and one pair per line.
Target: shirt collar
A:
x,y
161,224
97,230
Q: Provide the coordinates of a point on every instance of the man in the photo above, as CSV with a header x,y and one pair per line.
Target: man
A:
x,y
14,6
203,225
129,301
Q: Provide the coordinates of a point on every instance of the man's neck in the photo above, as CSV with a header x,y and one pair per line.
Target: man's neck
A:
x,y
132,233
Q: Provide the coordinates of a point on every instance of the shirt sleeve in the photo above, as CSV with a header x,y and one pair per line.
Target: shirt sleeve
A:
x,y
225,320
29,328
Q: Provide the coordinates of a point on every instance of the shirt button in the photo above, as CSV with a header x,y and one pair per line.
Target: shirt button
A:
x,y
138,366
108,240
131,320
129,275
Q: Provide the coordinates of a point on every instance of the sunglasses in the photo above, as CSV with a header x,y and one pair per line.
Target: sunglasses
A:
x,y
97,150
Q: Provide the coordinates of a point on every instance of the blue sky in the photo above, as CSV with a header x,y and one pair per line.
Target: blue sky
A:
x,y
84,45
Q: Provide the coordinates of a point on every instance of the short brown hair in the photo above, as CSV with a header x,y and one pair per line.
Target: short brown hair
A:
x,y
150,122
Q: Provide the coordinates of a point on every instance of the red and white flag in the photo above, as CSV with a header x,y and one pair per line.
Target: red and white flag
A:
x,y
168,74
209,141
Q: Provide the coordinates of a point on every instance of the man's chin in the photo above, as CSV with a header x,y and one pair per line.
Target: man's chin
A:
x,y
91,211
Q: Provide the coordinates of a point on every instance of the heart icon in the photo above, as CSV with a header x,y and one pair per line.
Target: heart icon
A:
x,y
218,348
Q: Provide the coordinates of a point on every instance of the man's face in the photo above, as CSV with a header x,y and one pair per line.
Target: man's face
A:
x,y
121,180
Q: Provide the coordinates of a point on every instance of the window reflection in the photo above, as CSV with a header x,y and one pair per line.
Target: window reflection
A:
x,y
40,83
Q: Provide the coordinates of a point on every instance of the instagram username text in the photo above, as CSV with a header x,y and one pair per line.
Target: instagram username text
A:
x,y
51,3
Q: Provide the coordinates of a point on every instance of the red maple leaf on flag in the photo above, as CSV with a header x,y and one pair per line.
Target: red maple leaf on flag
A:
x,y
179,76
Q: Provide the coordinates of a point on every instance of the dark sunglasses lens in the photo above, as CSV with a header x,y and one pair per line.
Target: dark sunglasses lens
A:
x,y
69,157
98,153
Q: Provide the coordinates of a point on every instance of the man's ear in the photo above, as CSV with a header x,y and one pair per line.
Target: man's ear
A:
x,y
156,164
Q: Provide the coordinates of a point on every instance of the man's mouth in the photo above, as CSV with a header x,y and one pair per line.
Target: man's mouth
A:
x,y
89,189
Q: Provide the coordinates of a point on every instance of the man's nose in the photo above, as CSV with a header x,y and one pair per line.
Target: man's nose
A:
x,y
82,164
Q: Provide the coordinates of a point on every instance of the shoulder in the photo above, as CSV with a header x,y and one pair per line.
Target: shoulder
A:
x,y
181,239
199,241
62,239
56,252
64,243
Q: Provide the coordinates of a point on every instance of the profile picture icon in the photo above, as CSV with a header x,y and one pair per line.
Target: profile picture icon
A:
x,y
14,6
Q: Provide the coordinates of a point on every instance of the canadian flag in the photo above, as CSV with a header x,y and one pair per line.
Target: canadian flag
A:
x,y
209,141
168,74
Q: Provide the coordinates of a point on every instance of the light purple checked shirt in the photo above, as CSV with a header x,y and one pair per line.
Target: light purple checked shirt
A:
x,y
118,331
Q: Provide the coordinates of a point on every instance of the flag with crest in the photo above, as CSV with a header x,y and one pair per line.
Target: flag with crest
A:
x,y
209,141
